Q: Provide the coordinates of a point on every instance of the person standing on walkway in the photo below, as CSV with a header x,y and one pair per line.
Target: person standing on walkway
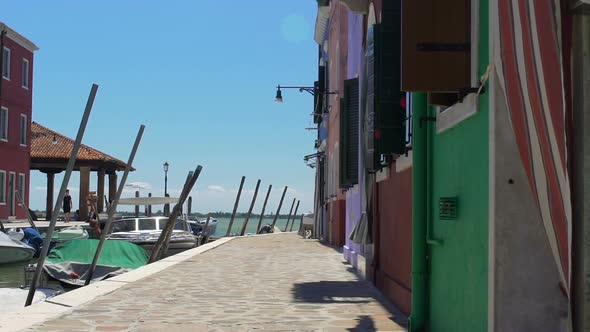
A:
x,y
67,206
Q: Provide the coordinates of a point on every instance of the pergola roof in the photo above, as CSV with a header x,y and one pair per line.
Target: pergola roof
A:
x,y
52,150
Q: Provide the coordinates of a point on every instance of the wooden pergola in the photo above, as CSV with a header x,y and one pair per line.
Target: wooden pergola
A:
x,y
50,152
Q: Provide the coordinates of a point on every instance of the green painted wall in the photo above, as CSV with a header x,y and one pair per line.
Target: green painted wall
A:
x,y
458,166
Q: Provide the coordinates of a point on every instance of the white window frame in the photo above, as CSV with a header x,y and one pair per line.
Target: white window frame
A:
x,y
3,188
448,118
22,176
25,76
4,139
7,77
25,131
12,193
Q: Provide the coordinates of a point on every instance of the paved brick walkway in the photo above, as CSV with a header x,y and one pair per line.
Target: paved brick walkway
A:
x,y
269,283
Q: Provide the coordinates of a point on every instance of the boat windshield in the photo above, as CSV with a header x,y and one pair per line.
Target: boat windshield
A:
x,y
179,224
146,224
125,225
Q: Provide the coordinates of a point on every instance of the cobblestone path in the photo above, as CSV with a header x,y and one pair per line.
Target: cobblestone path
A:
x,y
267,283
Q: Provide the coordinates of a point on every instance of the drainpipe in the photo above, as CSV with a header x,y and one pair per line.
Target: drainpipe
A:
x,y
2,34
581,172
419,216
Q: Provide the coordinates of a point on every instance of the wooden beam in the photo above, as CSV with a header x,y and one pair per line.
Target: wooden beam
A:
x,y
245,224
49,201
100,190
112,186
84,190
233,215
263,208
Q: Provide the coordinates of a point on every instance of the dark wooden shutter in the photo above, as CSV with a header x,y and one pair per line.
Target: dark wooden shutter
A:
x,y
369,120
436,45
349,134
390,116
343,141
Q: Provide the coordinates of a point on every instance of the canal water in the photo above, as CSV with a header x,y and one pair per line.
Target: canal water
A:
x,y
12,275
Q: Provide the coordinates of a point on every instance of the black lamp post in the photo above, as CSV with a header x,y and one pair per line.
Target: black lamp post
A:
x,y
166,165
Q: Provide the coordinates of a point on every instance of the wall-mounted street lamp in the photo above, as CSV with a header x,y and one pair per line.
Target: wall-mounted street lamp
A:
x,y
310,89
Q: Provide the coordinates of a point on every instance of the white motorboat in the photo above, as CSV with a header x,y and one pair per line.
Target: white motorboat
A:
x,y
198,225
145,231
68,233
12,250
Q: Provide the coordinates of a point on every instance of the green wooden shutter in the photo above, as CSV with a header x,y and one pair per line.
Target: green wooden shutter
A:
x,y
390,117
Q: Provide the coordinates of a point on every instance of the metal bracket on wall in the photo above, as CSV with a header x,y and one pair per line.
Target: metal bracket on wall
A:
x,y
443,47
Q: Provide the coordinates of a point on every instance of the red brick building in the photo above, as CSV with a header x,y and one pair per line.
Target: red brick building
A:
x,y
16,100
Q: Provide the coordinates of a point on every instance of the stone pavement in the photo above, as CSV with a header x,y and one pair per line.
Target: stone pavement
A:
x,y
277,282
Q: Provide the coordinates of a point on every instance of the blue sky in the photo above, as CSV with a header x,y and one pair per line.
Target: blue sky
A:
x,y
201,75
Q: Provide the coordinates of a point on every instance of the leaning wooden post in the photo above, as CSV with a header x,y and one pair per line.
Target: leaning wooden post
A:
x,y
149,206
274,221
300,224
113,207
189,207
250,210
231,221
137,206
204,229
170,230
290,214
60,197
166,233
263,208
294,215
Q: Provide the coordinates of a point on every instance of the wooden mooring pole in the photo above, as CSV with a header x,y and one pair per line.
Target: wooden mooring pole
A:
x,y
300,224
204,229
112,209
233,215
294,215
290,214
60,197
250,209
162,244
170,230
274,221
263,208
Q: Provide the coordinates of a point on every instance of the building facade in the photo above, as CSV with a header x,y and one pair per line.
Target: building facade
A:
x,y
456,160
16,101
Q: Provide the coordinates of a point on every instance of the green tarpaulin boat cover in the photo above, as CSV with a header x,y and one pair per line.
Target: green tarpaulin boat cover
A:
x,y
114,253
69,262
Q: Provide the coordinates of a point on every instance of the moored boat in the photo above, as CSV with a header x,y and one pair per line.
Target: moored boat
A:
x,y
12,250
145,231
69,262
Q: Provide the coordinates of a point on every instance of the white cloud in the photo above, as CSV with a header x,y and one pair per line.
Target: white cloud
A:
x,y
216,188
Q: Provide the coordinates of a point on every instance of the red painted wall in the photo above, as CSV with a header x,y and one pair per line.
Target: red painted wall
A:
x,y
337,52
393,216
18,100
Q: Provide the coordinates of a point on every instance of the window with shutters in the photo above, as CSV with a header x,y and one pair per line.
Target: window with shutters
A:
x,y
385,118
4,124
349,134
2,187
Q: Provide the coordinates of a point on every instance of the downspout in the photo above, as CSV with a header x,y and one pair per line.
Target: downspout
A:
x,y
580,293
419,215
